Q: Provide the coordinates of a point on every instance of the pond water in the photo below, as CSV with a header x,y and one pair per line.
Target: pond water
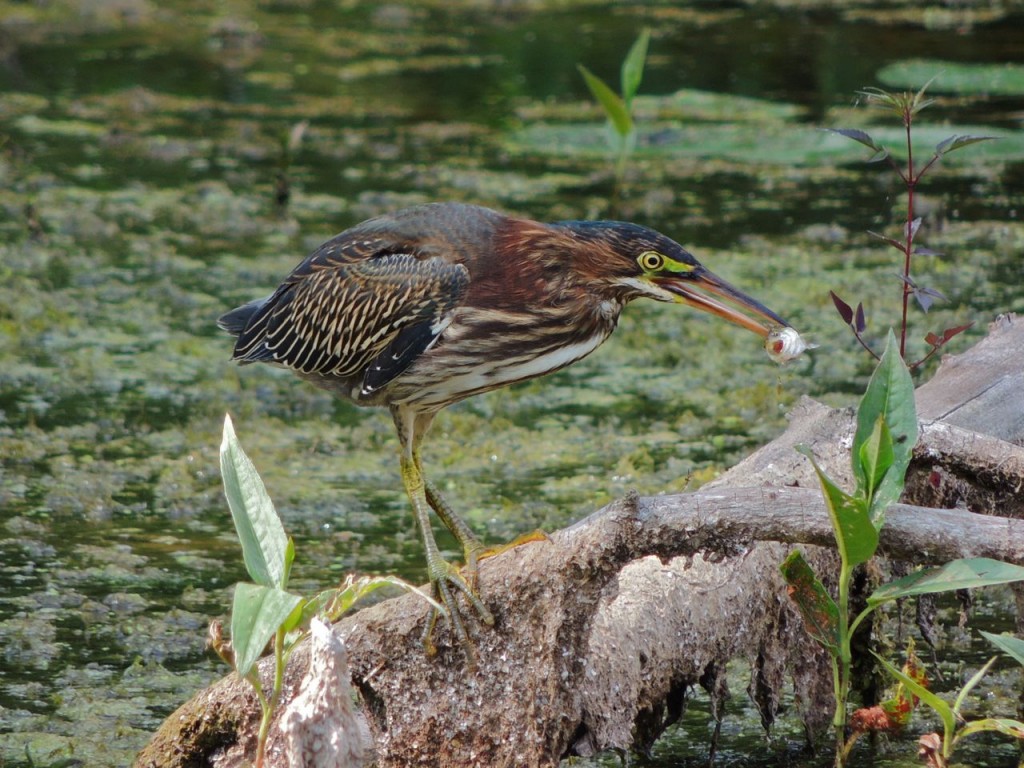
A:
x,y
144,153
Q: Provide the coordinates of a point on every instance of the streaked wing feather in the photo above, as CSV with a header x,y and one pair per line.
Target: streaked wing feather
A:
x,y
334,319
411,342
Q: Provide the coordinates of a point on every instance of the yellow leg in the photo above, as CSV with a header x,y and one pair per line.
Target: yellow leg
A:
x,y
473,548
445,579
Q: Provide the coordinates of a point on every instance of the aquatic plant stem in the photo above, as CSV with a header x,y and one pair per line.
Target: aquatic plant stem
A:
x,y
269,705
842,663
254,680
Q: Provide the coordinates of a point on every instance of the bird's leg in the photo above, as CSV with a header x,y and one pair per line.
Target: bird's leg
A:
x,y
472,547
445,578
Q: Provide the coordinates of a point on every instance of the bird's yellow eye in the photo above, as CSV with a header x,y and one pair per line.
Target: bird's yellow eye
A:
x,y
651,261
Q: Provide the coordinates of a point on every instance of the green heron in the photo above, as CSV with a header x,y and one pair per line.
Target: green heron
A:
x,y
419,309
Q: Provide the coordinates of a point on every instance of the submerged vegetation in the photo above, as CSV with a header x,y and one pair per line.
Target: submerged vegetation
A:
x,y
141,148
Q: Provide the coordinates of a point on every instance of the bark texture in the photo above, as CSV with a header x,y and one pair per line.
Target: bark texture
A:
x,y
603,631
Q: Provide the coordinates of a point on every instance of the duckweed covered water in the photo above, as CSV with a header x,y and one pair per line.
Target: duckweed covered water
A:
x,y
142,158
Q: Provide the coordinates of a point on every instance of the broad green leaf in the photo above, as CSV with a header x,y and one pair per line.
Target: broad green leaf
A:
x,y
957,574
613,105
257,613
876,457
1008,644
856,536
633,67
819,611
265,547
890,394
942,709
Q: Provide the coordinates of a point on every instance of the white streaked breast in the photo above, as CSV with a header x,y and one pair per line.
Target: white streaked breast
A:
x,y
492,375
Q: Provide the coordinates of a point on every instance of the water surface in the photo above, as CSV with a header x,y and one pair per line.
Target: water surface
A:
x,y
142,157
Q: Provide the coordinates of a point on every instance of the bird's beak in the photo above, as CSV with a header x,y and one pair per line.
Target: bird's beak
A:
x,y
685,289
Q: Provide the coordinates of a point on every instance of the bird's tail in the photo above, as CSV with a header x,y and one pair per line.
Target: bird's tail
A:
x,y
235,321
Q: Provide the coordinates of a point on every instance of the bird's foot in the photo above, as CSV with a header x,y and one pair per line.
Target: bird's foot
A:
x,y
447,582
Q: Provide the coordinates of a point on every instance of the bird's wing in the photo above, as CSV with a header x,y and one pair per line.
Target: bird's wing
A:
x,y
369,318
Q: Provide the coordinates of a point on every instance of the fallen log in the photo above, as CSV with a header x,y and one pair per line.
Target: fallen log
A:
x,y
602,632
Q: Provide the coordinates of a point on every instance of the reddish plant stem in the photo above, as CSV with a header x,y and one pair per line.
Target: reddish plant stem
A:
x,y
864,344
909,234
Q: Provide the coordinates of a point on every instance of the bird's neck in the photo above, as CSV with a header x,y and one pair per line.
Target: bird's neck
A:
x,y
550,267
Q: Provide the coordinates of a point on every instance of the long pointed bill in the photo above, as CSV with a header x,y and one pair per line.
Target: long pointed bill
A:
x,y
686,289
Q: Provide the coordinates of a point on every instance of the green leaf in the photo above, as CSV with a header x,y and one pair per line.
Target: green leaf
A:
x,y
856,536
257,613
819,611
317,606
1002,725
356,589
333,603
876,457
633,67
289,558
265,547
890,394
918,101
614,107
957,574
942,709
1008,644
970,685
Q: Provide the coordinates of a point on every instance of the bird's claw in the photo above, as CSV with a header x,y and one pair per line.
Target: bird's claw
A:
x,y
447,582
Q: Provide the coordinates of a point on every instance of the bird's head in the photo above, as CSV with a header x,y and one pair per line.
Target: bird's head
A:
x,y
636,261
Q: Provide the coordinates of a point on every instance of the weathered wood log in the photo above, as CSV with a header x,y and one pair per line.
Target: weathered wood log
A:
x,y
602,632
